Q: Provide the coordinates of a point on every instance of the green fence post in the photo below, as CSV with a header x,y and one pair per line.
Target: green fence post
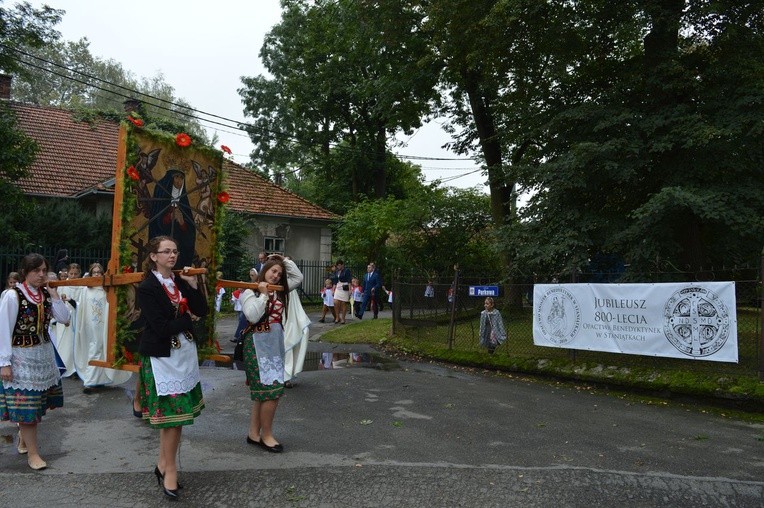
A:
x,y
761,317
452,323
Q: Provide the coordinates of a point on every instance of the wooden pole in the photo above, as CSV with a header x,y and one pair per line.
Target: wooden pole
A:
x,y
118,279
254,286
116,237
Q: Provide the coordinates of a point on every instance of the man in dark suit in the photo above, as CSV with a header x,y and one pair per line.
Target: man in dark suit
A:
x,y
371,287
261,259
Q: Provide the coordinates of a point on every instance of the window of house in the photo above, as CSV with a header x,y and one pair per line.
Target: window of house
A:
x,y
274,245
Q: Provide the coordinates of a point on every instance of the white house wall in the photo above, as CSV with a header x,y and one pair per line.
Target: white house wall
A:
x,y
302,241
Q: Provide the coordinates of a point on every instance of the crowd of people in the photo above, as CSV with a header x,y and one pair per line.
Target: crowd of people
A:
x,y
51,331
168,393
342,291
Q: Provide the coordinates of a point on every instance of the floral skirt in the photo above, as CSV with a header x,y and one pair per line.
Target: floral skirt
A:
x,y
29,406
257,390
162,411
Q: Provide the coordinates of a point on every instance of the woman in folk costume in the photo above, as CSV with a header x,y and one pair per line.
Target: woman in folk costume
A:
x,y
492,333
296,332
171,392
31,383
267,312
90,332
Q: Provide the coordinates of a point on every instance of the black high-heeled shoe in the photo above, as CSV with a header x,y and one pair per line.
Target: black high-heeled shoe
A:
x,y
160,478
172,495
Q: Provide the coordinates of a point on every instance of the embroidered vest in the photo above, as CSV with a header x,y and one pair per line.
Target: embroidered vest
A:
x,y
274,311
31,329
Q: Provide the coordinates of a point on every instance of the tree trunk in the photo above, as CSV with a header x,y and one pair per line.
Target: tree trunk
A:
x,y
502,199
665,90
501,191
380,176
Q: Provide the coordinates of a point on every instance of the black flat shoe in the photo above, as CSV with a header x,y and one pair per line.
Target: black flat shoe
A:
x,y
288,384
253,442
277,448
137,414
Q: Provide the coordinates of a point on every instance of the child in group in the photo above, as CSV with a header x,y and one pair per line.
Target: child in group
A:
x,y
389,296
74,271
492,333
237,309
356,299
327,294
219,292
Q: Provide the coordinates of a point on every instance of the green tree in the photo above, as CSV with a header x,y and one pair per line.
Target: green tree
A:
x,y
428,232
331,186
21,25
25,26
66,74
236,227
654,148
343,74
61,220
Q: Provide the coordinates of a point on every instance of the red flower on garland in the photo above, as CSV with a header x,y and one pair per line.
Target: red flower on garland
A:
x,y
226,149
133,173
135,121
182,306
183,140
224,197
129,356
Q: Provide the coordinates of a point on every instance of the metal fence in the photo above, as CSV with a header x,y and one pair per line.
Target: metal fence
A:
x,y
450,318
10,257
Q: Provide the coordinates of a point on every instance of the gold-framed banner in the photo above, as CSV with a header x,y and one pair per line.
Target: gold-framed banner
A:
x,y
165,185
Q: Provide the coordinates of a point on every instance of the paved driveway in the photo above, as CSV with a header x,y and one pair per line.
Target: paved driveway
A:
x,y
407,435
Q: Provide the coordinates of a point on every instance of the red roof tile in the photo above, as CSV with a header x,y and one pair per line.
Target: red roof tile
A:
x,y
252,193
73,155
76,156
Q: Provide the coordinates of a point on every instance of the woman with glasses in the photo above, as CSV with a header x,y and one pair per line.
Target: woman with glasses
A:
x,y
171,393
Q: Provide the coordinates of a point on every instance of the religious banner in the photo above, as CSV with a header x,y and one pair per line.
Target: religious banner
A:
x,y
172,191
165,185
695,321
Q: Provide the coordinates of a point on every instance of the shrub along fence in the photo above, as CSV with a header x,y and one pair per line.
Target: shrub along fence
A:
x,y
450,319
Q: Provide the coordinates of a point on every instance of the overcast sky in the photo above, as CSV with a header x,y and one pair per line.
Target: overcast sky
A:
x,y
203,48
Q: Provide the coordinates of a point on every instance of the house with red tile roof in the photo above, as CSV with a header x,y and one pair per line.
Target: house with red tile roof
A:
x,y
77,159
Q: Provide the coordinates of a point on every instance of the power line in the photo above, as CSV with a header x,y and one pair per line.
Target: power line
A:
x,y
183,110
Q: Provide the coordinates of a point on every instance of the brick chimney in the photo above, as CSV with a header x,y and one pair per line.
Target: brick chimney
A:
x,y
5,86
132,105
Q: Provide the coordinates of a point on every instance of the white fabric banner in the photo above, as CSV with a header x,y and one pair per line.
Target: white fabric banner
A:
x,y
695,321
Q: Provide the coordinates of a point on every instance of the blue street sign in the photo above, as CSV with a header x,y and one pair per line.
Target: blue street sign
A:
x,y
484,291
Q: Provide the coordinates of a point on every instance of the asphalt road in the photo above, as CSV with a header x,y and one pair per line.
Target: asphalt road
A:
x,y
396,434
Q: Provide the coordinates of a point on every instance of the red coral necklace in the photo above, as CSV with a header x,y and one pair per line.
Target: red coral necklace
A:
x,y
36,298
174,296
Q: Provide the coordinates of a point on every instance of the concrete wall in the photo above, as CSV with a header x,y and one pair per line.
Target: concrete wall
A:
x,y
303,240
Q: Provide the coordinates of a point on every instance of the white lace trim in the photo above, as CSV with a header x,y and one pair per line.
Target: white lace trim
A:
x,y
271,369
179,372
34,368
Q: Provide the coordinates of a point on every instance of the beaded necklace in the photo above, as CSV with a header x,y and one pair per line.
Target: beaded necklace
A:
x,y
174,296
35,298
